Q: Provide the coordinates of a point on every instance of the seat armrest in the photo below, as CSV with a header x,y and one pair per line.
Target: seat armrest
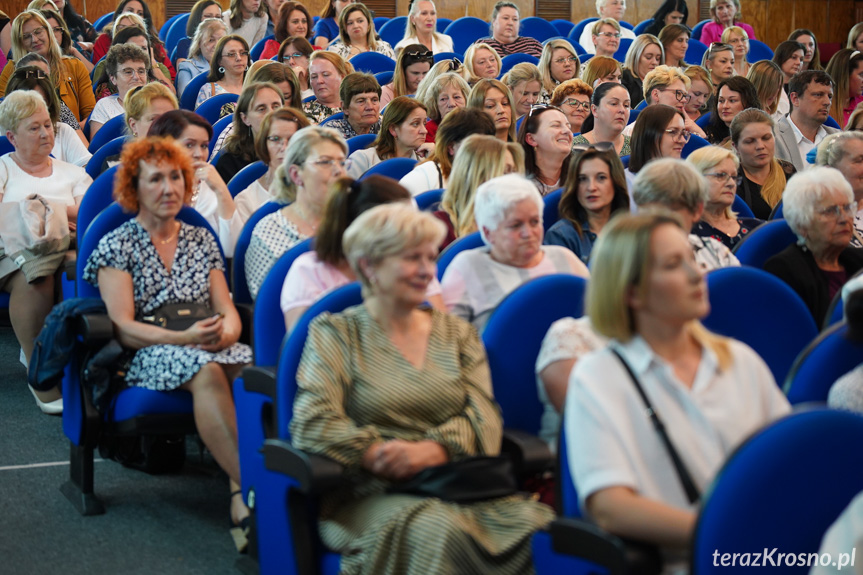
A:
x,y
247,315
95,328
530,454
586,541
314,474
260,379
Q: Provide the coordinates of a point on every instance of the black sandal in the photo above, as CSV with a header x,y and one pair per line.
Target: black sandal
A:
x,y
240,532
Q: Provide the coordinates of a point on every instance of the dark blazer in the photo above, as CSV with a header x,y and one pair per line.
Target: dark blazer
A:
x,y
796,266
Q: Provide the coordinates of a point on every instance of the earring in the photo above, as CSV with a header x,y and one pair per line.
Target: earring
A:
x,y
221,70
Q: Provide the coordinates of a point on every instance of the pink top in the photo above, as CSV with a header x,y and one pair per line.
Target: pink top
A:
x,y
846,113
712,32
309,279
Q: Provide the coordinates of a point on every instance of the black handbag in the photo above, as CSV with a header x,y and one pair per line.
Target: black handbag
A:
x,y
177,316
465,481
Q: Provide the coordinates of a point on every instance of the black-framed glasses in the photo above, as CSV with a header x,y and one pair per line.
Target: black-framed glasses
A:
x,y
681,95
541,106
577,104
454,65
722,177
598,146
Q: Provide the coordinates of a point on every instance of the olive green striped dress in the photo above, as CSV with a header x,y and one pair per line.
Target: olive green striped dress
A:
x,y
356,388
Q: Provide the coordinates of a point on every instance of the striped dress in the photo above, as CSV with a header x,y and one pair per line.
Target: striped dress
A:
x,y
356,388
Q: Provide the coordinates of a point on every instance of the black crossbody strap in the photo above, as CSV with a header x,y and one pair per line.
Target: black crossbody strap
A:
x,y
692,492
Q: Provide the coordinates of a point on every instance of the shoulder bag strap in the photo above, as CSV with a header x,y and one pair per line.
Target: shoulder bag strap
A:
x,y
692,492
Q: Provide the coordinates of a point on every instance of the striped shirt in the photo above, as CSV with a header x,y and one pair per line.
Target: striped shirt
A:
x,y
522,45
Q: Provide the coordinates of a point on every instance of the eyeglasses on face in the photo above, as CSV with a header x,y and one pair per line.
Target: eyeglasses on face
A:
x,y
562,61
294,56
837,211
234,55
577,104
332,163
58,29
678,134
680,95
129,73
37,33
609,34
722,177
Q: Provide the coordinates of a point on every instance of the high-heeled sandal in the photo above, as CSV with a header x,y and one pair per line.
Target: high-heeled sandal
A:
x,y
240,532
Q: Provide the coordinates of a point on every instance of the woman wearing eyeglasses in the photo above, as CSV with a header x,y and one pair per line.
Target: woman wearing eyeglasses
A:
x,y
559,62
294,21
422,29
719,166
546,137
156,71
412,65
661,132
819,208
315,158
201,51
227,68
644,55
126,67
573,98
609,111
30,34
294,53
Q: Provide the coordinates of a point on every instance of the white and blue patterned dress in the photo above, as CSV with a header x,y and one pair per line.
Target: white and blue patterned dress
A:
x,y
130,249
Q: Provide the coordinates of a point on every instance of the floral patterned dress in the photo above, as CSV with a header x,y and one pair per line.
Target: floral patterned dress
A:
x,y
130,249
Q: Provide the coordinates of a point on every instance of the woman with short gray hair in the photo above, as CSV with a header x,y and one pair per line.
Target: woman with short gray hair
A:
x,y
677,186
508,212
844,151
819,207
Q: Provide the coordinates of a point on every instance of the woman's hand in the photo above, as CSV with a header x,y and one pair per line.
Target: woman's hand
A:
x,y
694,128
399,460
424,150
207,333
86,46
302,74
208,173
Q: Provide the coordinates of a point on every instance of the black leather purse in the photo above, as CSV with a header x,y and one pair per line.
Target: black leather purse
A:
x,y
465,481
177,316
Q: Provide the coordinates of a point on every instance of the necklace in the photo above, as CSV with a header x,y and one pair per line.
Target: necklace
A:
x,y
158,241
302,213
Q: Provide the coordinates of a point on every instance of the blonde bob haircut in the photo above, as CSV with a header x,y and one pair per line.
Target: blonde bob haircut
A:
x,y
663,76
371,35
18,106
480,158
301,146
620,265
469,55
432,91
670,183
55,55
343,67
596,28
139,99
715,4
476,99
137,22
545,60
599,67
708,157
637,48
384,231
768,79
523,72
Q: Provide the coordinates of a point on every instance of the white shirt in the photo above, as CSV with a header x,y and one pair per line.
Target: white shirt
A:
x,y
804,144
64,185
440,43
362,160
611,441
424,177
586,39
252,29
246,203
107,108
69,147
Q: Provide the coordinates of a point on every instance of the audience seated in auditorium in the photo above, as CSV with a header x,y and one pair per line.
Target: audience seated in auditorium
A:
x,y
643,56
736,37
605,37
573,98
525,83
844,151
441,94
481,61
227,68
357,34
360,95
326,72
201,51
732,97
508,212
559,63
495,99
803,129
504,39
661,132
412,65
675,43
546,137
292,21
421,28
605,9
295,53
725,13
247,19
609,110
402,135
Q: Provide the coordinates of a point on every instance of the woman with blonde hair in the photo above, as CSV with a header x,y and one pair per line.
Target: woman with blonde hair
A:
x,y
422,28
247,20
763,175
326,72
480,159
675,42
495,99
442,95
647,294
524,81
719,166
736,37
855,37
412,66
559,62
32,34
700,91
573,98
481,61
201,51
725,13
644,55
846,69
601,69
719,61
357,34
768,80
402,134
